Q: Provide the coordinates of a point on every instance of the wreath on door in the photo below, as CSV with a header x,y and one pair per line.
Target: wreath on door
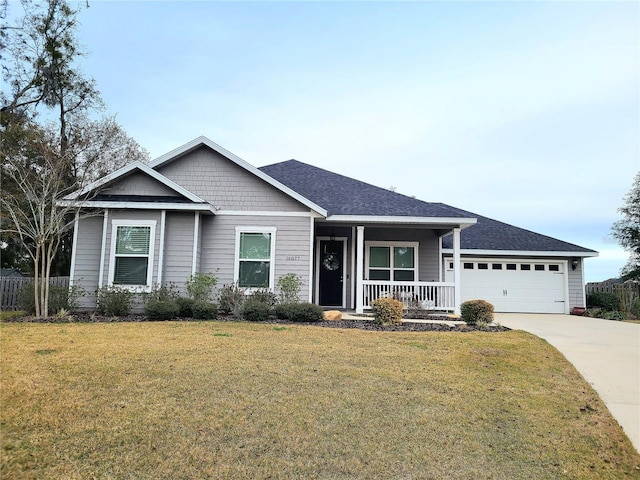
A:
x,y
331,262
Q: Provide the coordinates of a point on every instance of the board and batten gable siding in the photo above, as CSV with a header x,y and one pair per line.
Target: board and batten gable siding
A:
x,y
428,249
178,248
291,245
226,185
139,183
133,215
87,259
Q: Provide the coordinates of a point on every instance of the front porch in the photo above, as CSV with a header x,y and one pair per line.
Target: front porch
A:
x,y
357,264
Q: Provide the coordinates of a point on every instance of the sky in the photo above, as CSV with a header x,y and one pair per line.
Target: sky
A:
x,y
526,112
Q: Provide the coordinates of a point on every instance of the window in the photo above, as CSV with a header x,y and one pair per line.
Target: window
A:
x,y
254,257
468,266
525,266
131,262
496,266
511,266
392,262
483,266
554,268
539,268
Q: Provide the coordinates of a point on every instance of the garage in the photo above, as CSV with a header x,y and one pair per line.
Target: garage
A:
x,y
514,285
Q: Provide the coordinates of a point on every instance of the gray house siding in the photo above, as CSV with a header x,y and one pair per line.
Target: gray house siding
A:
x,y
87,259
139,184
576,285
178,248
291,245
226,185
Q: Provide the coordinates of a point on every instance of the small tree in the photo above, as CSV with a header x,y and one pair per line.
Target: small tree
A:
x,y
36,176
288,287
627,230
200,286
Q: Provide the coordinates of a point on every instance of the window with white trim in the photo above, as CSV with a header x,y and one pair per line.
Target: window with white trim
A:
x,y
255,255
392,261
131,262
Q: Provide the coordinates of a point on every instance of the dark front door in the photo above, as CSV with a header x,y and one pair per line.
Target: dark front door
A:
x,y
331,273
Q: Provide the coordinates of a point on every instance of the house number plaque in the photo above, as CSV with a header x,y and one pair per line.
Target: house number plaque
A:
x,y
293,258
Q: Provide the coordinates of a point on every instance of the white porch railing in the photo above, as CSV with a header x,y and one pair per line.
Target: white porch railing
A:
x,y
424,295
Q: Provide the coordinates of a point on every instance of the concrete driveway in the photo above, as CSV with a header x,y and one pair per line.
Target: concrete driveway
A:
x,y
605,352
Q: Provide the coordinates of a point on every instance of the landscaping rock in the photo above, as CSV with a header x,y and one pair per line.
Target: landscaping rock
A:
x,y
332,316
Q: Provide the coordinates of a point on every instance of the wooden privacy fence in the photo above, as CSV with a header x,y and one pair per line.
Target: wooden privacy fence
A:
x,y
632,288
10,288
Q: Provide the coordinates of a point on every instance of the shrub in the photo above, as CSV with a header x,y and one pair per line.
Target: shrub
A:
x,y
614,316
256,311
387,311
161,309
594,313
635,308
185,306
606,301
283,311
264,295
60,298
288,287
200,286
299,312
114,301
204,310
476,311
232,298
162,293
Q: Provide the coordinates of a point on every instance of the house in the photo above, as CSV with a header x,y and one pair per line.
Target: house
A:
x,y
200,208
10,273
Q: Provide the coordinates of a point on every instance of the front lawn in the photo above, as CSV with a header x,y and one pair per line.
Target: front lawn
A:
x,y
235,400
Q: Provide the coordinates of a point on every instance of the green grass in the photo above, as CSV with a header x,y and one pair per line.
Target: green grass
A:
x,y
7,314
167,400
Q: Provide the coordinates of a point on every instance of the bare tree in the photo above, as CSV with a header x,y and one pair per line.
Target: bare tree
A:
x,y
37,177
43,82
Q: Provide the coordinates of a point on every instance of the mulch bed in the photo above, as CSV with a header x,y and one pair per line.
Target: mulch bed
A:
x,y
363,324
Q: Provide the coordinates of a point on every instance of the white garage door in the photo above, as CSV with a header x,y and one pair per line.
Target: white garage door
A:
x,y
528,286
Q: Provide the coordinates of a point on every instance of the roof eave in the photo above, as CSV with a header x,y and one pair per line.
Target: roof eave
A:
x,y
523,253
189,207
398,219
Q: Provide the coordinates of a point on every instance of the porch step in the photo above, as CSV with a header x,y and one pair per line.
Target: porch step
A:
x,y
444,318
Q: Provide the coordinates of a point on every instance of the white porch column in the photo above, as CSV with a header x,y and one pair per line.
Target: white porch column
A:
x,y
359,267
456,271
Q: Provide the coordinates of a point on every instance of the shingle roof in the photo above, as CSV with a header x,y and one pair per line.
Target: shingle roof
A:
x,y
490,234
341,195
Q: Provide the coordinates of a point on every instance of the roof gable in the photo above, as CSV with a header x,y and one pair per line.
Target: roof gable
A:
x,y
202,141
121,174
